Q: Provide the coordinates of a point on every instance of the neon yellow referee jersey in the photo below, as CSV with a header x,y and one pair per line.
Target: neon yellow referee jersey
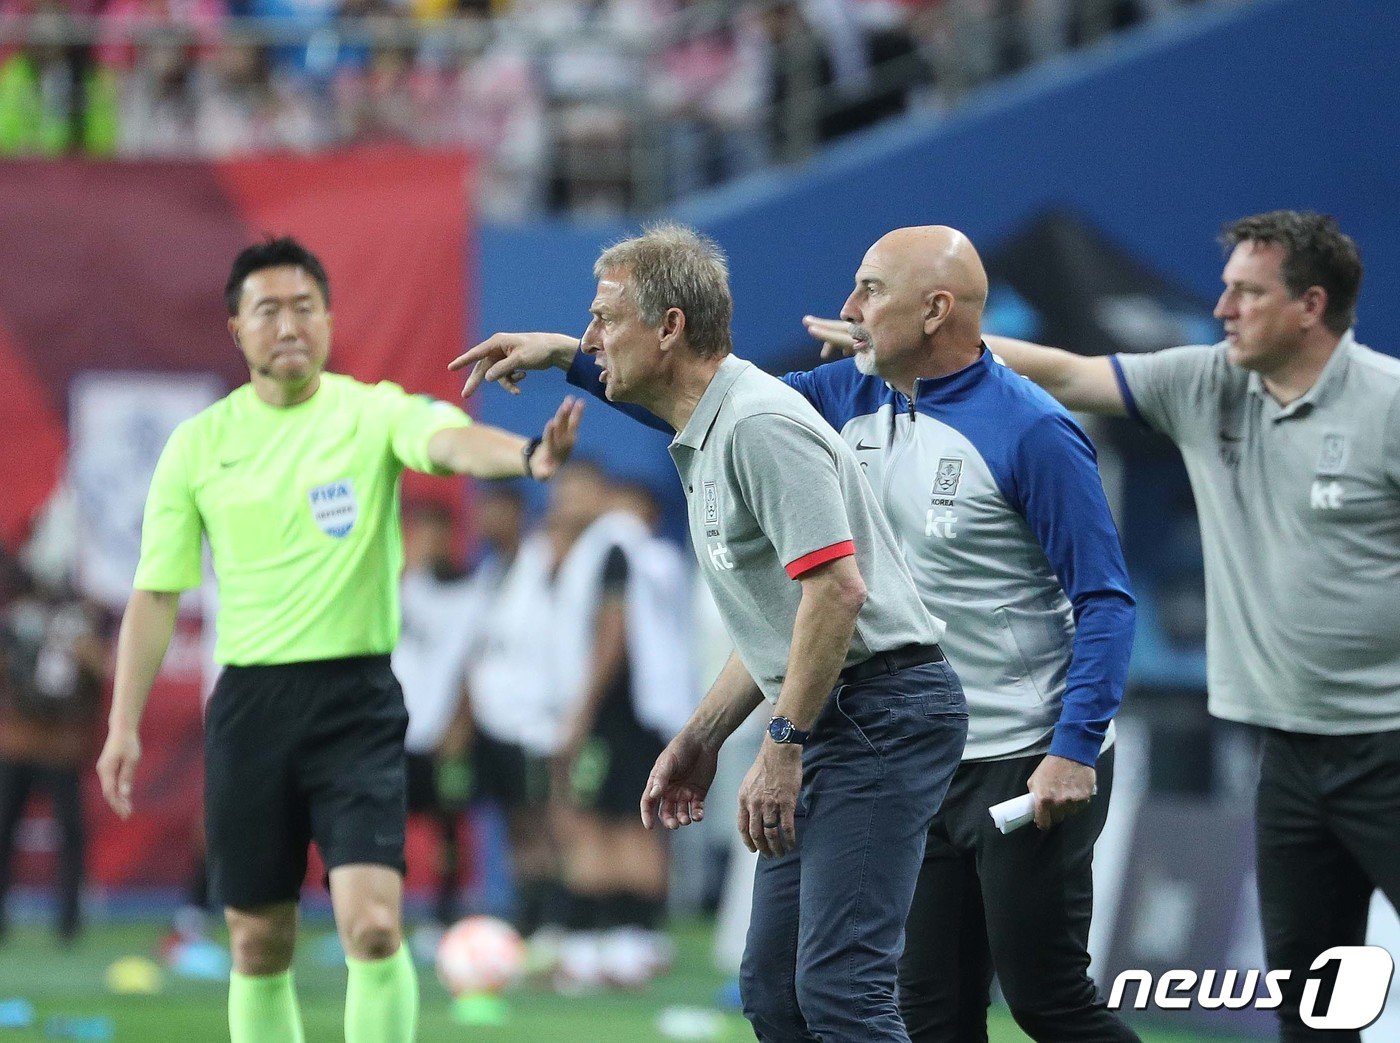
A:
x,y
301,509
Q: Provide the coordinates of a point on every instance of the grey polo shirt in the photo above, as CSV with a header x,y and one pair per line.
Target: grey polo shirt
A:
x,y
772,492
1300,523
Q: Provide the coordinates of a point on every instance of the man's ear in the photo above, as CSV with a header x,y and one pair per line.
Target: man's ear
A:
x,y
938,305
672,328
1314,300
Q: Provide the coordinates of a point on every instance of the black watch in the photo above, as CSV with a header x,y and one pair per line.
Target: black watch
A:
x,y
783,731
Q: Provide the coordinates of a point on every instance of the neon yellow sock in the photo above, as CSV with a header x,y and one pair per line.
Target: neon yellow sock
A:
x,y
381,999
263,1009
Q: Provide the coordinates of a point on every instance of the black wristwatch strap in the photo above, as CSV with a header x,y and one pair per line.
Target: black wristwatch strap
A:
x,y
528,452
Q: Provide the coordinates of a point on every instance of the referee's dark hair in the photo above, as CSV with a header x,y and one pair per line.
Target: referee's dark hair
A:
x,y
279,252
1317,253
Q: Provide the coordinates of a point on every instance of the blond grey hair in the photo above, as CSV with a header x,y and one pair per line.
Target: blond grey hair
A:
x,y
673,266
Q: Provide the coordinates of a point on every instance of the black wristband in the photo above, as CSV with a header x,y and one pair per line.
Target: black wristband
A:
x,y
528,452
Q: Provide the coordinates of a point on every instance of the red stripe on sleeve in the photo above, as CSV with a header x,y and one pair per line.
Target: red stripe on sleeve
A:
x,y
806,563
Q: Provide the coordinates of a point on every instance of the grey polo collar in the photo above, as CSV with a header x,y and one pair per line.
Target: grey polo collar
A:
x,y
697,428
1331,374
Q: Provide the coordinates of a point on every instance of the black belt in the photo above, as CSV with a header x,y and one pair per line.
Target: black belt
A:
x,y
882,663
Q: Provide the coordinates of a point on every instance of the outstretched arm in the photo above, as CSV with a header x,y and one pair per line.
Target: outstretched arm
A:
x,y
1085,383
489,452
506,358
1081,382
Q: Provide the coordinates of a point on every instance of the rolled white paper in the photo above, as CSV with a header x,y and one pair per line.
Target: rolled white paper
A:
x,y
1014,813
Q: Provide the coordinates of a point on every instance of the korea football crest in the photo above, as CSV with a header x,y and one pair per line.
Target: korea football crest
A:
x,y
720,558
941,521
334,507
949,475
1332,456
1328,494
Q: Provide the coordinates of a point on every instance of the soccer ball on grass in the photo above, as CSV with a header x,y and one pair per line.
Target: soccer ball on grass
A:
x,y
480,954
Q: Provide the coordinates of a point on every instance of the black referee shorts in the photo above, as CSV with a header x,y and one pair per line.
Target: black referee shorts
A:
x,y
301,752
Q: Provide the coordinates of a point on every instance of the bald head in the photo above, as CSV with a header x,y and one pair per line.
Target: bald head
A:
x,y
917,306
936,257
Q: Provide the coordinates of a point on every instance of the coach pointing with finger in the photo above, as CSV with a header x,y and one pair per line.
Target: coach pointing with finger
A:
x,y
869,720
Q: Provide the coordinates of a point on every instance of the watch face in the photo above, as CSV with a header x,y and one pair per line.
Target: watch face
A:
x,y
780,728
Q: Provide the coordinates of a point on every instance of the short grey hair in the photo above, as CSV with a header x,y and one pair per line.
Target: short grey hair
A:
x,y
673,266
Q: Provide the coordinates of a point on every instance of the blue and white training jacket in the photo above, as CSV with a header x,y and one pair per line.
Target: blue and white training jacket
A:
x,y
993,491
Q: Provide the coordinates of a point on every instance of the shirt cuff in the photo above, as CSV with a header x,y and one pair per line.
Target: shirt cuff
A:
x,y
797,569
583,372
1077,742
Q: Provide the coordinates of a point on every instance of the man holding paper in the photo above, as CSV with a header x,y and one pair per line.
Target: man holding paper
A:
x,y
993,492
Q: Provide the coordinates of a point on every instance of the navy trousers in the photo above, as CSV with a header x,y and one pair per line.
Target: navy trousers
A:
x,y
828,918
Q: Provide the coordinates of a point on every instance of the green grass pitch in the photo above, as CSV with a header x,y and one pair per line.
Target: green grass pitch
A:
x,y
70,981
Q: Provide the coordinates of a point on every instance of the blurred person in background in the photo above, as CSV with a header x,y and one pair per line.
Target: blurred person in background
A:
x,y
383,100
243,109
442,611
515,718
833,68
445,620
147,58
315,61
53,658
569,594
592,59
53,98
492,100
711,87
623,602
1290,431
159,98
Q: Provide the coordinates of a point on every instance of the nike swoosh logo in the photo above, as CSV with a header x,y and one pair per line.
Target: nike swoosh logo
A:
x,y
1230,438
227,463
860,444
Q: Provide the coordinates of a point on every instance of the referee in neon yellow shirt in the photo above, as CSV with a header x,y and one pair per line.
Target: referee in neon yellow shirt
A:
x,y
294,480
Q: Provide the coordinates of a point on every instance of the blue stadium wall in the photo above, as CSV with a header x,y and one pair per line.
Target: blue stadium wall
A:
x,y
1156,138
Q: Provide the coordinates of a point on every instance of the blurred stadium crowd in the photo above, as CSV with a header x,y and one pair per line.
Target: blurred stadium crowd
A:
x,y
592,105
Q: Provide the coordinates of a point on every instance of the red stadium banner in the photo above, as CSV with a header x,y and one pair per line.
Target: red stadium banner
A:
x,y
121,267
